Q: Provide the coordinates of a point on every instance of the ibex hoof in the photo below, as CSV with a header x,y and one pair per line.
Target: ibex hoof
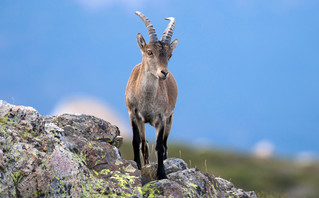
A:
x,y
161,176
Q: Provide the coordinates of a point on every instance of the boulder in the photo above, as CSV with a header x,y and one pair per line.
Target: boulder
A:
x,y
63,156
78,156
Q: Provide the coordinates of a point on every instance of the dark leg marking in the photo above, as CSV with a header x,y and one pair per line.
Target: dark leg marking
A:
x,y
136,144
160,151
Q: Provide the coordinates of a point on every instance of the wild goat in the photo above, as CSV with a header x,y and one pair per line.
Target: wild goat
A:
x,y
151,93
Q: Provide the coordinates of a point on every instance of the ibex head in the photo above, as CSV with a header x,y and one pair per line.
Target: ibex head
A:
x,y
156,54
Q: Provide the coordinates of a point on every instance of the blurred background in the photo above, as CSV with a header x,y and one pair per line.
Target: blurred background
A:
x,y
247,73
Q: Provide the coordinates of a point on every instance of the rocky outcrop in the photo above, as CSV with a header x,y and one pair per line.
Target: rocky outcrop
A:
x,y
78,156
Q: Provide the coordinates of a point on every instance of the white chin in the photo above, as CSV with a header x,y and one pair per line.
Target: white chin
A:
x,y
161,78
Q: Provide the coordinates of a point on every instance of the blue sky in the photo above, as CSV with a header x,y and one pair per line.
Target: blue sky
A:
x,y
247,71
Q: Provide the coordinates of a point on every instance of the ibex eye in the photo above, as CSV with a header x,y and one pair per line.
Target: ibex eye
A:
x,y
149,52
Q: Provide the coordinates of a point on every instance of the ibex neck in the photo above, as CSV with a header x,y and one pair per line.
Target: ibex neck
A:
x,y
149,83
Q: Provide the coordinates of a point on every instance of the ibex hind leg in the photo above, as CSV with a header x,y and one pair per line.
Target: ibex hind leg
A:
x,y
145,152
167,130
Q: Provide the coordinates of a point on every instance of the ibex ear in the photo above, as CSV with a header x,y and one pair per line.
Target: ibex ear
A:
x,y
173,44
140,41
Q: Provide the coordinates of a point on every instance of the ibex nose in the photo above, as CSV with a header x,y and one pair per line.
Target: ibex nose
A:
x,y
164,72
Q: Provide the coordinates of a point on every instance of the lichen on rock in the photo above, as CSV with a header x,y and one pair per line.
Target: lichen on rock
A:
x,y
78,156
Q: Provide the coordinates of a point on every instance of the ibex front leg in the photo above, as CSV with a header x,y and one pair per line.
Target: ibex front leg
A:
x,y
160,150
136,142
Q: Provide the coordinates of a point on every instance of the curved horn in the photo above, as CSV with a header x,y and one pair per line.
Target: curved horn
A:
x,y
149,26
168,33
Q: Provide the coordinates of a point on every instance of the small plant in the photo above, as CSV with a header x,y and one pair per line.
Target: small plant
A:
x,y
271,195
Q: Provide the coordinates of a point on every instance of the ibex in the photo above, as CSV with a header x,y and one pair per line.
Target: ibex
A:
x,y
151,93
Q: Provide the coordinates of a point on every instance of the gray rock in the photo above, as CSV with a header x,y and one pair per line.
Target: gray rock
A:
x,y
228,189
195,181
165,188
63,156
78,156
173,165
